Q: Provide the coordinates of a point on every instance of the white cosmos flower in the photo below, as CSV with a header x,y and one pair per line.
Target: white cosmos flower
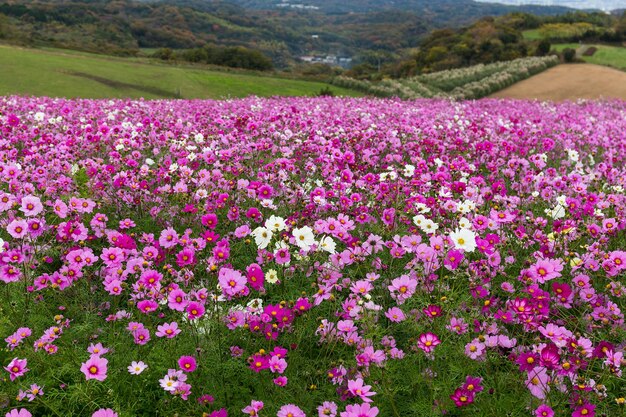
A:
x,y
419,220
304,237
429,226
136,368
271,276
328,244
275,223
422,208
168,384
465,223
1,245
262,237
464,239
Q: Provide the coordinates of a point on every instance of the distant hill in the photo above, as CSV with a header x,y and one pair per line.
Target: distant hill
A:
x,y
454,9
327,31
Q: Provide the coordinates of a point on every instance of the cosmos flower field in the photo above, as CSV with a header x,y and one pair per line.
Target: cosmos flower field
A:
x,y
320,257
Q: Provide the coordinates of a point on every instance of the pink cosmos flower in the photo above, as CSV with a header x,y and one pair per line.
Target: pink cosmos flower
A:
x,y
16,368
360,410
475,349
457,325
104,412
290,410
427,342
537,382
327,409
114,287
195,310
22,412
31,206
281,381
97,349
395,315
18,228
545,270
168,330
254,408
357,388
34,391
141,336
231,282
95,368
168,238
147,306
277,364
177,300
186,257
402,288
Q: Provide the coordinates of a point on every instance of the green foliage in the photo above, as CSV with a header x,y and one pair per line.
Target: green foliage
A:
x,y
569,54
325,92
462,83
543,48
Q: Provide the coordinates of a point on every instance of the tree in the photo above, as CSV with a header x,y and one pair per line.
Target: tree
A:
x,y
569,54
543,48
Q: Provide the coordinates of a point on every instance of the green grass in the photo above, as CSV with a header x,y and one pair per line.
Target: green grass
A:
x,y
60,73
532,35
611,56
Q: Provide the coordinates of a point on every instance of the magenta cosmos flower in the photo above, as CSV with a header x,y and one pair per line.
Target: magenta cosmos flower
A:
x,y
95,368
544,411
187,363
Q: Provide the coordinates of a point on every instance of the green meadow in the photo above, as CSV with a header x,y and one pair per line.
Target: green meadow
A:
x,y
611,56
61,73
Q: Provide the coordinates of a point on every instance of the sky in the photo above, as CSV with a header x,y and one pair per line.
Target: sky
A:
x,y
605,5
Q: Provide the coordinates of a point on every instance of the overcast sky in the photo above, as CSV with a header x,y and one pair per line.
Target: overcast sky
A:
x,y
579,4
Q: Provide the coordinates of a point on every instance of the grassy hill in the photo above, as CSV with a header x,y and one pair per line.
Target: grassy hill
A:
x,y
60,73
610,56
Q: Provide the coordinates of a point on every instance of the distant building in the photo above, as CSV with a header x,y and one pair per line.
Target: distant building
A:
x,y
297,6
332,60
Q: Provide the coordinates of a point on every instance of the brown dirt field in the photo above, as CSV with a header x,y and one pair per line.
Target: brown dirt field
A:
x,y
569,82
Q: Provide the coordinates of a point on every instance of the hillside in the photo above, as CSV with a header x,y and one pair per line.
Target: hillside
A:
x,y
453,9
70,74
348,29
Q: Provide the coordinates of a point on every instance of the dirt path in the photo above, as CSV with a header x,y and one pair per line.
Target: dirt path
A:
x,y
570,82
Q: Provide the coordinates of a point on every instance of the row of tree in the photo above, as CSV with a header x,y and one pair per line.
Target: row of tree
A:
x,y
235,57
